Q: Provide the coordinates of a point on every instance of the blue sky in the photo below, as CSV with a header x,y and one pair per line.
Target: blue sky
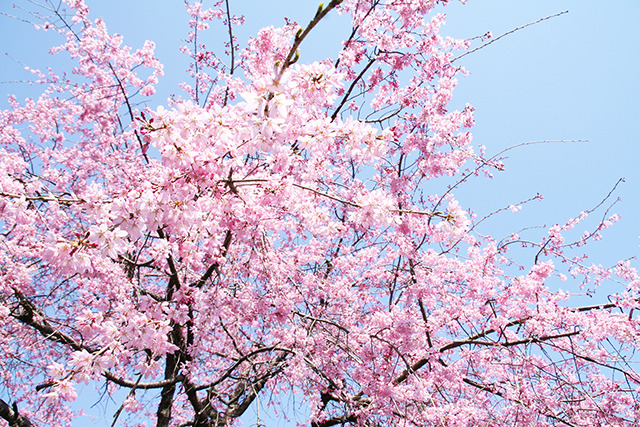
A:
x,y
570,77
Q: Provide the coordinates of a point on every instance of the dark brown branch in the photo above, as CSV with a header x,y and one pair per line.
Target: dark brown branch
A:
x,y
345,98
174,280
145,386
214,267
166,395
240,361
28,314
202,412
231,45
126,100
171,370
318,319
475,339
495,392
254,388
530,340
232,52
11,415
342,420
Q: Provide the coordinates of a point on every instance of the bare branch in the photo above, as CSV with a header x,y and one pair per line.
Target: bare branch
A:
x,y
507,33
322,11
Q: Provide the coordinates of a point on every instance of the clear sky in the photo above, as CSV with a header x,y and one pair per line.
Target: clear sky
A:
x,y
570,77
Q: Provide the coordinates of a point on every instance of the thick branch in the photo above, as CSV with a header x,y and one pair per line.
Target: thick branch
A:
x,y
166,395
202,412
12,416
342,420
254,388
145,386
30,315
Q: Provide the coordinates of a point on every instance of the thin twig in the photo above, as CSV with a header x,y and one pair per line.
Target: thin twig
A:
x,y
507,33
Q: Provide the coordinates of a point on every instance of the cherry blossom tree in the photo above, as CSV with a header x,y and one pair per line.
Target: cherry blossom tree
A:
x,y
280,230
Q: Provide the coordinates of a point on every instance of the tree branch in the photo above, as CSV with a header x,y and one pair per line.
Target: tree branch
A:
x,y
11,415
355,81
507,33
302,34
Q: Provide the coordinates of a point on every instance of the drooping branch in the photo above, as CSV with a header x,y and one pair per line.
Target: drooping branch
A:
x,y
476,339
240,361
232,49
232,52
